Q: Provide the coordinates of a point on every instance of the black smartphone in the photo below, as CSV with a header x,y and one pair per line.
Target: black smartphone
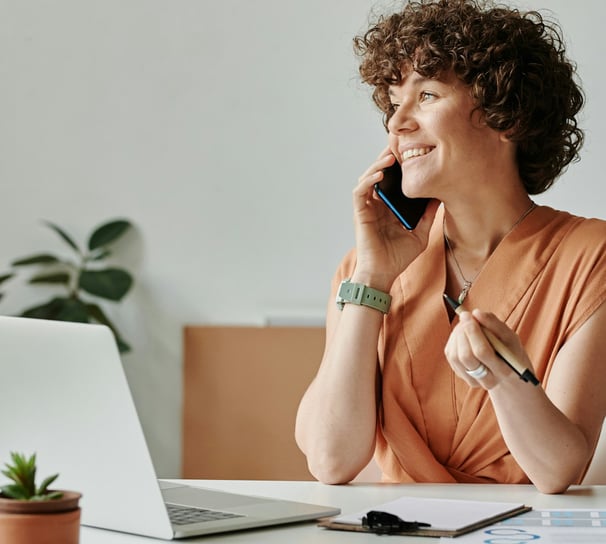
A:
x,y
408,210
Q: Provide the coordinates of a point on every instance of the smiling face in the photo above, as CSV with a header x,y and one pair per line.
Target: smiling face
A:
x,y
440,140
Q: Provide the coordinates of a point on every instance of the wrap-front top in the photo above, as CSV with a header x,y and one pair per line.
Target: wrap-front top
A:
x,y
544,279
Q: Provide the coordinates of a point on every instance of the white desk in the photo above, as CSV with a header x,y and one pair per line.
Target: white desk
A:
x,y
353,498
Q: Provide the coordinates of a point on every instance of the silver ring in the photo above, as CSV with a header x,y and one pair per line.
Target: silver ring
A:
x,y
478,373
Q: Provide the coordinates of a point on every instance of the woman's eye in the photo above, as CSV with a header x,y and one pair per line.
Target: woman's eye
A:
x,y
393,107
426,95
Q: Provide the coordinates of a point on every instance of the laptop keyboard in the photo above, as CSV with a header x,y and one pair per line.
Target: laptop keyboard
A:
x,y
183,515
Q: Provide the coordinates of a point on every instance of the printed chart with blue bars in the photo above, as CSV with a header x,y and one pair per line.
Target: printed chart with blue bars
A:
x,y
586,526
559,518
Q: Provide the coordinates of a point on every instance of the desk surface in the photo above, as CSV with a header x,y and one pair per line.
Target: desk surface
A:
x,y
353,498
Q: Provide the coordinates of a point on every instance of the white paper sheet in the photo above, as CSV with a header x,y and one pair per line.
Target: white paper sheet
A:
x,y
442,514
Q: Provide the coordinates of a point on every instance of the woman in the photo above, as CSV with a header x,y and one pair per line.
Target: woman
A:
x,y
480,105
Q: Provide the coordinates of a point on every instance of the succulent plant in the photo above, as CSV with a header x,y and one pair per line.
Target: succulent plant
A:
x,y
23,475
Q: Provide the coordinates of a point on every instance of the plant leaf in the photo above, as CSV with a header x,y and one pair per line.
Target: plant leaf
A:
x,y
58,277
107,233
15,491
99,255
111,283
72,309
60,309
47,310
10,474
5,277
42,490
123,346
23,473
41,258
47,496
99,315
64,235
53,495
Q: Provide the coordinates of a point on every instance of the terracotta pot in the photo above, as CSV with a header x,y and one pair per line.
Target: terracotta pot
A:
x,y
42,522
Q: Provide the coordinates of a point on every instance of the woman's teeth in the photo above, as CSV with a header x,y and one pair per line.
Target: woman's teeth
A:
x,y
417,152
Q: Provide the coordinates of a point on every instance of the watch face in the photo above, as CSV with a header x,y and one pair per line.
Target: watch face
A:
x,y
339,299
346,291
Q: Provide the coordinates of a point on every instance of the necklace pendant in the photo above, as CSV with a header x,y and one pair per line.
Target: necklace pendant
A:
x,y
465,290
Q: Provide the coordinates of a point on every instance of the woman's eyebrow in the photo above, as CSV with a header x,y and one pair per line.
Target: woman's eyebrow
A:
x,y
416,81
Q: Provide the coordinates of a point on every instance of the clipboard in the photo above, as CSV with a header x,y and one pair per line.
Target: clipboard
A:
x,y
441,517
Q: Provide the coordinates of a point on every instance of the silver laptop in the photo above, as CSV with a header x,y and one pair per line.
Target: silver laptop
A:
x,y
64,395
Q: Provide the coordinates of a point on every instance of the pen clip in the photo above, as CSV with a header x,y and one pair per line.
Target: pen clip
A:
x,y
384,523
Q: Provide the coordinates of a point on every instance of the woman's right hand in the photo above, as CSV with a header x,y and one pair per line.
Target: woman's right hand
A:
x,y
384,247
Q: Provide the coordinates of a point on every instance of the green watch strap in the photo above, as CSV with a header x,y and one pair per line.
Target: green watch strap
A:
x,y
358,293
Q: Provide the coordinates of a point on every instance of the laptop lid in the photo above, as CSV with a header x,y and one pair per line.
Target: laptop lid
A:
x,y
64,395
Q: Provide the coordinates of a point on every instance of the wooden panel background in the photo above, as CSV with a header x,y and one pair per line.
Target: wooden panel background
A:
x,y
242,386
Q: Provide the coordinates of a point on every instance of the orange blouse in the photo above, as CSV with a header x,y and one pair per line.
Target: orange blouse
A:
x,y
544,280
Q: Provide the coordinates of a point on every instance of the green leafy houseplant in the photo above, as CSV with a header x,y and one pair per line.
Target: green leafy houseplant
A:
x,y
23,475
87,273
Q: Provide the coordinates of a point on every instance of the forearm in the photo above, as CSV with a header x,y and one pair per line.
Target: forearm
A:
x,y
337,417
550,449
336,421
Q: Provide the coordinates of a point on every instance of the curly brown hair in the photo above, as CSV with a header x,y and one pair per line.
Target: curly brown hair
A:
x,y
514,62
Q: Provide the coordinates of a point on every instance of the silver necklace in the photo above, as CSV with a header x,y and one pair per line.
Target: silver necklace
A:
x,y
468,283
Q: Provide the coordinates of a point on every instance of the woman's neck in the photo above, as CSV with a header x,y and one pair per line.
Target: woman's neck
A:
x,y
471,235
475,230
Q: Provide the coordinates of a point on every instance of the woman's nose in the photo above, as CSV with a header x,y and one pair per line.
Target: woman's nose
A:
x,y
403,119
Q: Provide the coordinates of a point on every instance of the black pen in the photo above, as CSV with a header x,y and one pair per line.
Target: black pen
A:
x,y
500,349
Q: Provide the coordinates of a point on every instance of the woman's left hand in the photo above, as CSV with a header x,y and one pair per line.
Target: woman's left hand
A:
x,y
468,349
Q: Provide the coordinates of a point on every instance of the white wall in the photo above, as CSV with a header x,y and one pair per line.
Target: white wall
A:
x,y
231,133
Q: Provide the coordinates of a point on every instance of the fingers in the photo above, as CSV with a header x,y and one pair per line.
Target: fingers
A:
x,y
497,327
365,201
468,351
374,173
386,158
383,243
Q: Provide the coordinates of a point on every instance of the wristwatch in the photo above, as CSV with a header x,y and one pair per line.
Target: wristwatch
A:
x,y
358,293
